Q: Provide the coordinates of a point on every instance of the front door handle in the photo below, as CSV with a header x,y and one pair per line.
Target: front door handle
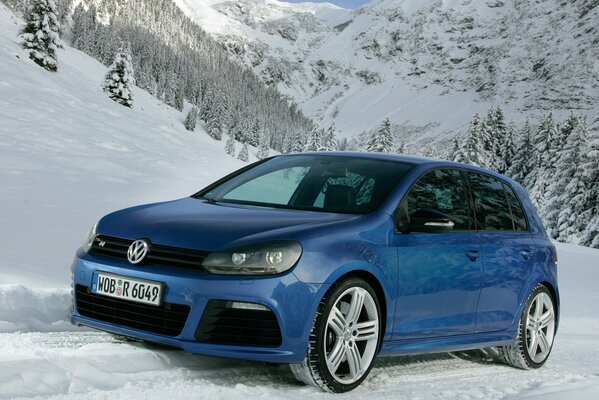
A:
x,y
472,254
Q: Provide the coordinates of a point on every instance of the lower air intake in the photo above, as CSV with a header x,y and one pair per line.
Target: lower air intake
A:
x,y
167,319
223,324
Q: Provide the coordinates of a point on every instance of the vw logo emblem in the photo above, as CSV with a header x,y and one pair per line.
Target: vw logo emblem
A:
x,y
138,251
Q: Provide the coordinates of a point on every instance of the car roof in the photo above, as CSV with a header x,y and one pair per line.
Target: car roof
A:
x,y
425,162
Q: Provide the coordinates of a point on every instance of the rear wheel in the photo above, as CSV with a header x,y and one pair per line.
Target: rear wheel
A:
x,y
344,338
535,332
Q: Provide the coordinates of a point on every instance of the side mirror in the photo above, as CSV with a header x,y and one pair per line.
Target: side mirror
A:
x,y
428,221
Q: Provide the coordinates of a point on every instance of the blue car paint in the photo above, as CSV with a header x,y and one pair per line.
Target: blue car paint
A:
x,y
335,245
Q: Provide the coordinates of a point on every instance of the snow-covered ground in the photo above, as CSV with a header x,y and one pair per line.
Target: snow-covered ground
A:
x,y
68,155
43,361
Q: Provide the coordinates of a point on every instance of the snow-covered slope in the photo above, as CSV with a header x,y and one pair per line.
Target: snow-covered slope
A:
x,y
68,155
427,65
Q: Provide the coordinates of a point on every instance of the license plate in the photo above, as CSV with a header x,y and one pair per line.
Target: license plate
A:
x,y
127,288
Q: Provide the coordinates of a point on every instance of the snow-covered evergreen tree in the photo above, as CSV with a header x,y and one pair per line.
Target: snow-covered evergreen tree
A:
x,y
41,33
542,143
230,146
508,150
472,150
244,154
401,148
297,145
454,153
493,137
314,142
590,201
382,141
119,79
191,119
522,162
562,162
570,188
263,146
329,141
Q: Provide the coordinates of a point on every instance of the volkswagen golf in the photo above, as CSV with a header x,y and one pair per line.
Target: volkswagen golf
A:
x,y
324,261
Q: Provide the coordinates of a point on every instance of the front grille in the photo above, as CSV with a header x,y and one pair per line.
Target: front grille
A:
x,y
158,254
221,324
167,319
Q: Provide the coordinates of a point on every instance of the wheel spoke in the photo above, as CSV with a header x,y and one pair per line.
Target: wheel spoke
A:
x,y
538,307
546,318
337,321
367,330
543,343
335,357
530,325
355,307
354,359
532,346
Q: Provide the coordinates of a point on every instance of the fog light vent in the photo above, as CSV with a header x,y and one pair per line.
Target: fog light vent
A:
x,y
238,323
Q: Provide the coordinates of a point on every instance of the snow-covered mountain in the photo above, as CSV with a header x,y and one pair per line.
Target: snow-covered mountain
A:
x,y
428,65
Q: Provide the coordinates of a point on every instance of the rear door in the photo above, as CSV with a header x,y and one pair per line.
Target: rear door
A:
x,y
508,251
439,273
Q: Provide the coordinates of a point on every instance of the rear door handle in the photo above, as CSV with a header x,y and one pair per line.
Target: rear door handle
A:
x,y
526,254
472,254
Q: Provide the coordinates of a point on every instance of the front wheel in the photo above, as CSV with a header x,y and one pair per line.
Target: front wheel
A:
x,y
344,338
535,332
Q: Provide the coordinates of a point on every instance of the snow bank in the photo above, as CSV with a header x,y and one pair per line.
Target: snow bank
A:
x,y
25,310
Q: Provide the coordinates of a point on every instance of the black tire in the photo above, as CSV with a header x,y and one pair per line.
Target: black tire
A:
x,y
313,370
517,354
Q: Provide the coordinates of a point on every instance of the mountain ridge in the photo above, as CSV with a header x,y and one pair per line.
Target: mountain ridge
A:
x,y
353,68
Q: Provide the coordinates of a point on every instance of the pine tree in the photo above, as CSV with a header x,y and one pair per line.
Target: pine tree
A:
x,y
297,146
472,150
571,189
41,33
329,141
487,140
563,159
263,147
314,142
119,79
542,142
590,201
244,154
191,119
401,148
454,153
507,152
382,141
230,146
522,163
493,138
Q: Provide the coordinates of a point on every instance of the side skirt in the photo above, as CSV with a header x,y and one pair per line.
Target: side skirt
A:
x,y
446,344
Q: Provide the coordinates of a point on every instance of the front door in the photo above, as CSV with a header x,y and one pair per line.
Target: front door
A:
x,y
440,274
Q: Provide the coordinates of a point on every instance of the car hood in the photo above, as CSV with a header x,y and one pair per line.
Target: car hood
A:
x,y
197,224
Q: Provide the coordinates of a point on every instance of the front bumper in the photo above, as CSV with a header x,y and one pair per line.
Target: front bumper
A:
x,y
293,302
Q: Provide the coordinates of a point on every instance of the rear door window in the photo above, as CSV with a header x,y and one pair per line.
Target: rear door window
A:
x,y
491,203
518,215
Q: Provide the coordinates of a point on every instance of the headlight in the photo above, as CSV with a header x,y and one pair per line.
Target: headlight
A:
x,y
89,239
261,259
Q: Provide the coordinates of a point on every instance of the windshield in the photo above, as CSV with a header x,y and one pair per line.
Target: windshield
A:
x,y
312,182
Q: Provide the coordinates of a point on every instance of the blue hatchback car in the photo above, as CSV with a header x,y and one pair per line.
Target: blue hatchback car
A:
x,y
324,261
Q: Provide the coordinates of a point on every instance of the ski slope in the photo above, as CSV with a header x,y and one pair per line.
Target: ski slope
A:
x,y
68,155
